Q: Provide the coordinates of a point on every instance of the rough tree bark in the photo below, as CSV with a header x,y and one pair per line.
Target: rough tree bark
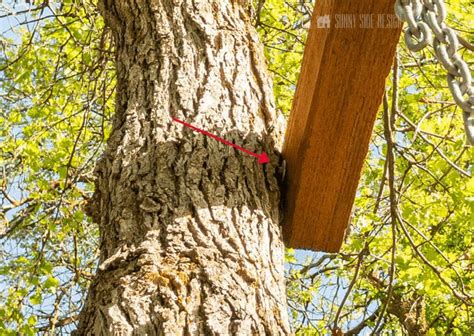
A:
x,y
190,236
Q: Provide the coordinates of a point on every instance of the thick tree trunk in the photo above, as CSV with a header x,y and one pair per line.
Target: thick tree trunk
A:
x,y
190,236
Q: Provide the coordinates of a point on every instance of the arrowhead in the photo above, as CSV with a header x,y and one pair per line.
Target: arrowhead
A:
x,y
263,158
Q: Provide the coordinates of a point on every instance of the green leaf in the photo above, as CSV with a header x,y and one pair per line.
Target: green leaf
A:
x,y
51,282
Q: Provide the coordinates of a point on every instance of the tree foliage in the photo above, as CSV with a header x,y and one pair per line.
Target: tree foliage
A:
x,y
57,86
406,266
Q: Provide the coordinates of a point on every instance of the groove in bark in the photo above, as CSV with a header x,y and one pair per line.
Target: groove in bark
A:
x,y
190,236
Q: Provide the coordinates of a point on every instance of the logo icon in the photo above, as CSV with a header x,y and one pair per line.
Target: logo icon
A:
x,y
324,21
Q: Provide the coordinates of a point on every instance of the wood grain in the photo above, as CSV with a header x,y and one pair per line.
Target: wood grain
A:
x,y
338,94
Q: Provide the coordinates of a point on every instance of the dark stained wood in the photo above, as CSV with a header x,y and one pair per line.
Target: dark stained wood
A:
x,y
339,92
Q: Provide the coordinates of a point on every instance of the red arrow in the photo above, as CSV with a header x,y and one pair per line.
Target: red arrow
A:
x,y
262,158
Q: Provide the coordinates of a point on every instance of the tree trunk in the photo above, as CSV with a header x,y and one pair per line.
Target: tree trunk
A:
x,y
190,236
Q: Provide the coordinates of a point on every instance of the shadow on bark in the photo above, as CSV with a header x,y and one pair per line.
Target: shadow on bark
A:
x,y
190,240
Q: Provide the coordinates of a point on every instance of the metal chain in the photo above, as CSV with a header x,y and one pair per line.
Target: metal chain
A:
x,y
425,18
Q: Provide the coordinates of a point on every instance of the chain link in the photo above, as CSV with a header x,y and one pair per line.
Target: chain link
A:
x,y
425,23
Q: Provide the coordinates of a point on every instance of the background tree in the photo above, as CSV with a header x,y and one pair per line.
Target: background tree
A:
x,y
406,266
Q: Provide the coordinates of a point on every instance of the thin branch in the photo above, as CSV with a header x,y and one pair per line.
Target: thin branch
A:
x,y
466,299
361,256
389,123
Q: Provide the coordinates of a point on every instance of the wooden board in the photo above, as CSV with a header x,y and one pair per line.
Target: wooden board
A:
x,y
337,98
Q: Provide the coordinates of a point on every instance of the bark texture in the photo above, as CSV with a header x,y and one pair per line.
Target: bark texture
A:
x,y
190,236
410,311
